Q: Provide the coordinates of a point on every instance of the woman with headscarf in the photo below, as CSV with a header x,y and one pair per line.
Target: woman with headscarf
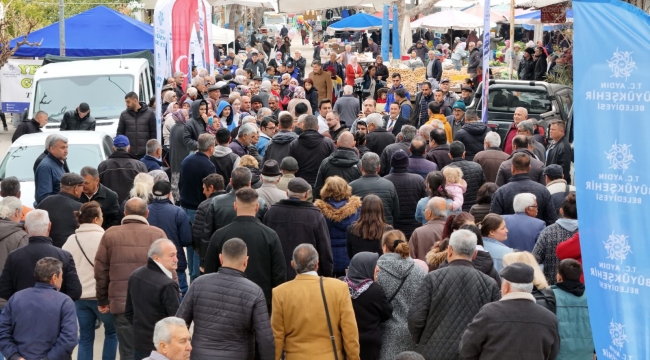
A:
x,y
298,97
371,307
168,121
277,60
235,105
352,71
226,116
169,97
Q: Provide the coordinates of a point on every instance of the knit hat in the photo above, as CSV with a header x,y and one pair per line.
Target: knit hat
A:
x,y
289,164
257,99
399,160
459,105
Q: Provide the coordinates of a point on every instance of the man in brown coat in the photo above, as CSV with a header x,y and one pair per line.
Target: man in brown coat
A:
x,y
322,81
304,335
122,250
491,158
427,235
536,172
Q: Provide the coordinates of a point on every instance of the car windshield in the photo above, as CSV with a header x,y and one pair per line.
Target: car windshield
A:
x,y
507,100
104,94
19,161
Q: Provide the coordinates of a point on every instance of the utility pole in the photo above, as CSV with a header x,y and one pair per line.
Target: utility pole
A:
x,y
61,29
512,37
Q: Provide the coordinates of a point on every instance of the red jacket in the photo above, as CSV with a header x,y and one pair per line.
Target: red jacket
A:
x,y
570,249
349,74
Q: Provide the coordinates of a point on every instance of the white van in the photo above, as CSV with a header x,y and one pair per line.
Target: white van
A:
x,y
102,84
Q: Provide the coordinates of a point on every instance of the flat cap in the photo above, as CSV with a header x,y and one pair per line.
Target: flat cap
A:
x,y
298,185
214,88
518,273
71,179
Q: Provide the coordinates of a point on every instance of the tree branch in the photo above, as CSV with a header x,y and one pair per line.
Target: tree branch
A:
x,y
426,7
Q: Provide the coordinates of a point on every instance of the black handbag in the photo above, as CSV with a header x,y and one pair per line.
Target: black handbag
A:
x,y
329,322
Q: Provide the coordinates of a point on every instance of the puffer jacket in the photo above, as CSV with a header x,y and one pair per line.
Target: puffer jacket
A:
x,y
194,127
177,150
118,172
227,322
199,220
339,215
472,135
375,185
475,178
174,222
12,237
410,189
139,127
121,251
446,298
574,326
343,162
310,149
72,121
392,271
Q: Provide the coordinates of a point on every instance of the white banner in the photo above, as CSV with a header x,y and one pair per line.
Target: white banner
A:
x,y
16,80
487,55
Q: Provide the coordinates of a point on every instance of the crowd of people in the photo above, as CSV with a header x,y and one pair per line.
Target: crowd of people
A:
x,y
282,220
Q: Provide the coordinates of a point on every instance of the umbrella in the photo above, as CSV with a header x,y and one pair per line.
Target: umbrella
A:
x,y
450,19
478,10
359,21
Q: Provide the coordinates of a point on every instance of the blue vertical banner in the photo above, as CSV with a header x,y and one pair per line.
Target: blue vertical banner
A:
x,y
612,158
385,34
396,25
486,61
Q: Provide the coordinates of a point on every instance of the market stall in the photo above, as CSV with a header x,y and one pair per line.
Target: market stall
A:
x,y
450,19
356,22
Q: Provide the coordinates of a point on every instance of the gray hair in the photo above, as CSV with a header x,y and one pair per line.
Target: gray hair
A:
x,y
523,201
432,206
159,175
347,90
471,43
203,72
311,122
247,129
376,120
276,99
46,268
162,332
206,140
9,205
270,179
248,119
425,131
197,81
518,287
524,109
264,112
527,125
463,242
156,247
53,139
152,146
89,170
301,118
305,258
191,92
291,194
142,186
409,132
370,162
266,86
493,139
37,221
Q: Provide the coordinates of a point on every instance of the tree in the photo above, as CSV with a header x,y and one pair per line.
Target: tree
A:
x,y
15,23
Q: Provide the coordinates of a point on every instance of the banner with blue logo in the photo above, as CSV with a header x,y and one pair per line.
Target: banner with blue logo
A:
x,y
612,172
486,61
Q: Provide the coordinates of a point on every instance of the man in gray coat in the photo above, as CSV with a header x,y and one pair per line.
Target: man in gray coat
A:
x,y
514,327
448,299
228,310
536,172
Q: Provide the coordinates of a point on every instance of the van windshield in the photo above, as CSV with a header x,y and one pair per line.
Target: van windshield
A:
x,y
103,93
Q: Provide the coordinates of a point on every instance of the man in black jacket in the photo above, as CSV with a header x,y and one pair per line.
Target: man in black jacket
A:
x,y
448,299
540,64
472,173
278,147
78,119
119,170
18,272
267,267
378,138
472,134
221,211
213,185
138,123
434,66
439,152
395,120
474,60
371,183
343,162
297,221
410,189
404,138
93,190
560,151
502,200
61,208
420,115
152,295
227,303
30,126
310,149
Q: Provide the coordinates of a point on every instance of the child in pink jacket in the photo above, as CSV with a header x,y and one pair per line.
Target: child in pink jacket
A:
x,y
455,186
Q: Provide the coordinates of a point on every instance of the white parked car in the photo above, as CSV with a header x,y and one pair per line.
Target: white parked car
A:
x,y
85,148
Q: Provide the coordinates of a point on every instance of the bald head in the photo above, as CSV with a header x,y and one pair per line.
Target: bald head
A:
x,y
520,115
436,208
136,206
346,139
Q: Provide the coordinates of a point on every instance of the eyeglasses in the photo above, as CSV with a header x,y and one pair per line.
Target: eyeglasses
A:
x,y
533,206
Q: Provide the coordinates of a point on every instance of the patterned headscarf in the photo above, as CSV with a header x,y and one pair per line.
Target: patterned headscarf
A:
x,y
180,116
361,273
299,93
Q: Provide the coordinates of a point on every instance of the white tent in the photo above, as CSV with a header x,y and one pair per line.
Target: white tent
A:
x,y
450,19
221,36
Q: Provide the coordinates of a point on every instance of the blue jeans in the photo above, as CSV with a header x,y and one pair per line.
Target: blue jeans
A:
x,y
87,313
193,260
182,283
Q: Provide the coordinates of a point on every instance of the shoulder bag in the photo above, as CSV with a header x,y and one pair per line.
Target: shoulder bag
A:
x,y
329,322
83,252
401,283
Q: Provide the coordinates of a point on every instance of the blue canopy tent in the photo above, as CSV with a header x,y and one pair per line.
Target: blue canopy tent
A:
x,y
358,21
98,31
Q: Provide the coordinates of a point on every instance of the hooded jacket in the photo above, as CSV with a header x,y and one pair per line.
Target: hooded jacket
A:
x,y
540,66
343,162
229,123
339,215
310,149
72,121
139,127
392,271
224,161
472,135
194,127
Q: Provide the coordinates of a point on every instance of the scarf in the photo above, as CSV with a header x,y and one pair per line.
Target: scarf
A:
x,y
361,272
